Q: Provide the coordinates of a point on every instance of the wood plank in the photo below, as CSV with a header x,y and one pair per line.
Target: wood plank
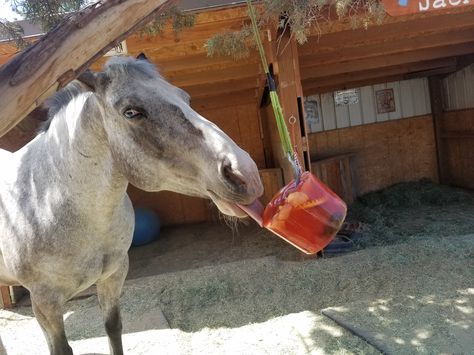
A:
x,y
205,78
328,111
342,116
202,91
195,210
408,27
5,299
199,62
347,80
378,62
368,104
355,112
272,180
419,93
224,100
407,99
385,153
388,47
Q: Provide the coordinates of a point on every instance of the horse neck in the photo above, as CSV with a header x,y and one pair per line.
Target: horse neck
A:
x,y
76,155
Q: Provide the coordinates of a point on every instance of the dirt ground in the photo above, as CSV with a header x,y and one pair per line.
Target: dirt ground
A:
x,y
249,292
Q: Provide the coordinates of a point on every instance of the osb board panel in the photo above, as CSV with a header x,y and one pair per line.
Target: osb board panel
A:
x,y
385,153
458,147
272,180
336,173
172,208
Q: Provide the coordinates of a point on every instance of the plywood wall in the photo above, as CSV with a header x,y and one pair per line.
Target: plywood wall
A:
x,y
411,98
459,90
458,147
457,127
385,153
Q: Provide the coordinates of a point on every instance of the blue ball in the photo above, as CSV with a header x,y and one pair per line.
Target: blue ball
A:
x,y
147,226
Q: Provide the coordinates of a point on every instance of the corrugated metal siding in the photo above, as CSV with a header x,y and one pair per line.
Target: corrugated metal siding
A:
x,y
459,89
411,98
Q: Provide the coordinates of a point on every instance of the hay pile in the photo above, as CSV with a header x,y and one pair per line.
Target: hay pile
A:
x,y
413,210
269,306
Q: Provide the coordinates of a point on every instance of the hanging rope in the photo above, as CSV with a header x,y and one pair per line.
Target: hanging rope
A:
x,y
278,111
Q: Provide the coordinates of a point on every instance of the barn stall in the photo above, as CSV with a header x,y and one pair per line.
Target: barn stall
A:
x,y
388,105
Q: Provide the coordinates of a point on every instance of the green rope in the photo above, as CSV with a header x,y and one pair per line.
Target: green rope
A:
x,y
280,119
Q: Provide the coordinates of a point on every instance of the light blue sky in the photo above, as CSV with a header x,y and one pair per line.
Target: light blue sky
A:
x,y
6,11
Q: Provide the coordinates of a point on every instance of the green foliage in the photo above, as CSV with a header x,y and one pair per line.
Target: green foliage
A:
x,y
299,17
178,20
233,44
47,13
13,32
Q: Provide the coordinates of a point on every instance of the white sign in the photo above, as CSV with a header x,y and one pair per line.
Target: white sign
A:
x,y
346,97
119,49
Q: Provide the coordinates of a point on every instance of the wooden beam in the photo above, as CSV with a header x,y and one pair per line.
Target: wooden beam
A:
x,y
354,79
290,92
338,25
395,46
384,61
409,28
226,100
200,78
32,76
229,87
436,96
5,298
350,85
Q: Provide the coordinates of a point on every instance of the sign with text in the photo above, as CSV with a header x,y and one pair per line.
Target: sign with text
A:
x,y
346,97
407,7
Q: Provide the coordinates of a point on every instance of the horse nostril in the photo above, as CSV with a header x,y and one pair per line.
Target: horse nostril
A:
x,y
233,178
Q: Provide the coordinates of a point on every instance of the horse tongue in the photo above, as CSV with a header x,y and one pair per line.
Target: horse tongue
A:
x,y
254,210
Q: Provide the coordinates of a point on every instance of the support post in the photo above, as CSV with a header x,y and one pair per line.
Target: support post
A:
x,y
437,111
286,68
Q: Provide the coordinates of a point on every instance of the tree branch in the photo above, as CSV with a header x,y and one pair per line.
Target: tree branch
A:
x,y
66,51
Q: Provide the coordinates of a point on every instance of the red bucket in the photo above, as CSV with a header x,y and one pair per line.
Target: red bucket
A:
x,y
308,215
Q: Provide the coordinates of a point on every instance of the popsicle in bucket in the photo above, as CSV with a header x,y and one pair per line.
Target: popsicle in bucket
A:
x,y
307,215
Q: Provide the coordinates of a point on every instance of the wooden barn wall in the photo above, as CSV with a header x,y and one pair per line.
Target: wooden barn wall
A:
x,y
458,147
459,90
385,153
458,127
411,98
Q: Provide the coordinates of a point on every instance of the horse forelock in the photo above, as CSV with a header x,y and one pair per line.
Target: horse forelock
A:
x,y
117,66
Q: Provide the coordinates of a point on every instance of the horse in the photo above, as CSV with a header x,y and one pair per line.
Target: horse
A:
x,y
66,221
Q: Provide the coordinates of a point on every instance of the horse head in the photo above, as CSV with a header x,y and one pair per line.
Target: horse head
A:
x,y
159,142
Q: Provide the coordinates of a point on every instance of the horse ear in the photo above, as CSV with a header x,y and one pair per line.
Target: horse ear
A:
x,y
93,80
142,56
88,78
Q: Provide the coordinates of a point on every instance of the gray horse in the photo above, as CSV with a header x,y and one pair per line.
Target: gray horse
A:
x,y
66,221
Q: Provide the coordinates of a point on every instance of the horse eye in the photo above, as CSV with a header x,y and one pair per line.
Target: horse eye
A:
x,y
132,114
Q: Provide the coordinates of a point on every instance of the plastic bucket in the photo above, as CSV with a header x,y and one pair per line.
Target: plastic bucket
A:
x,y
307,215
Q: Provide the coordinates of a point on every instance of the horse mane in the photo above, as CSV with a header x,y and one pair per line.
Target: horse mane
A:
x,y
59,100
